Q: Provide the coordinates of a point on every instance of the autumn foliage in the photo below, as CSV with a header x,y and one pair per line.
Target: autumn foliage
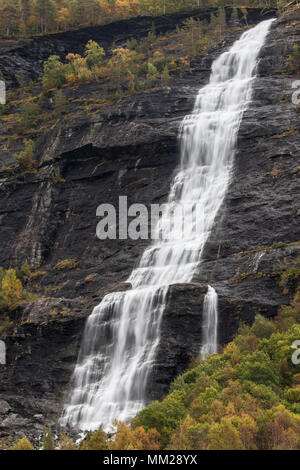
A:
x,y
25,17
245,398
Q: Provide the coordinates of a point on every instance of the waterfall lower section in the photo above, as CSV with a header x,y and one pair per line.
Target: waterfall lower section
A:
x,y
122,333
210,324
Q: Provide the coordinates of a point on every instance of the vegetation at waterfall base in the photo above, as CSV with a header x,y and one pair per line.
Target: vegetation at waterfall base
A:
x,y
245,398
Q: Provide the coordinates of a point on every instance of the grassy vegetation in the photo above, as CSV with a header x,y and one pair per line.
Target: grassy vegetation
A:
x,y
66,264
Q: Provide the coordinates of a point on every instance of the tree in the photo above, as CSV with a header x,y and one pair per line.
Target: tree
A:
x,y
44,10
165,76
134,439
54,73
22,444
95,441
164,416
25,270
258,368
152,75
131,44
221,20
26,158
280,429
77,70
193,31
224,436
151,36
159,60
9,18
124,67
47,442
63,17
262,328
59,103
28,116
66,443
190,435
94,54
11,288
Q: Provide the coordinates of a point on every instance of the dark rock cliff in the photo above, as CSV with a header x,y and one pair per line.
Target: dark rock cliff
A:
x,y
130,148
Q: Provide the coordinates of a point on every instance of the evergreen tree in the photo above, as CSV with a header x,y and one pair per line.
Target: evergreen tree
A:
x,y
59,103
54,73
166,78
94,54
48,441
152,75
26,158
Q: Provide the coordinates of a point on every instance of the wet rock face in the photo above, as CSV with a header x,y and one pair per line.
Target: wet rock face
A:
x,y
131,149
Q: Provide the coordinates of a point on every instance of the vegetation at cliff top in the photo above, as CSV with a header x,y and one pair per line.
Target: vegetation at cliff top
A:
x,y
133,68
26,17
245,398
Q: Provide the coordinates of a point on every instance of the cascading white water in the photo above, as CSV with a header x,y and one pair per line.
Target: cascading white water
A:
x,y
122,333
210,324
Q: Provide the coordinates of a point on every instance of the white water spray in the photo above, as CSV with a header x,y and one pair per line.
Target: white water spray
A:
x,y
210,324
122,333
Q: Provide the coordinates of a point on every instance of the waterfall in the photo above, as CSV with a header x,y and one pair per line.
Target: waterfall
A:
x,y
210,324
122,333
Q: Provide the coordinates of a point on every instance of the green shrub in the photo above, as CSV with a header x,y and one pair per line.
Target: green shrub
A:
x,y
258,368
47,441
94,54
22,444
152,75
26,158
28,116
164,416
59,103
66,443
262,328
54,73
11,290
95,441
